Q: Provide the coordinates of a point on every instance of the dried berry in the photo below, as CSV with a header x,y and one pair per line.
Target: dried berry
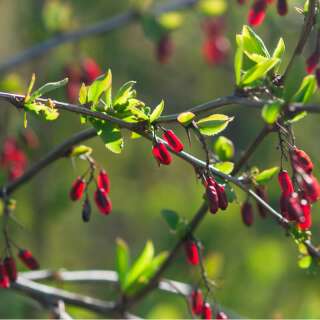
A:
x,y
192,252
196,301
301,160
285,182
77,189
4,279
282,7
161,153
257,12
11,268
102,201
104,181
86,210
221,315
306,208
213,199
173,141
247,213
206,311
262,193
28,259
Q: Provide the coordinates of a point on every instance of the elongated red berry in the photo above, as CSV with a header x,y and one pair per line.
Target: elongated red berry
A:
x,y
301,160
11,268
306,208
104,181
312,62
222,196
262,193
221,315
317,73
247,213
192,252
77,189
4,279
196,301
282,7
285,182
294,208
284,206
173,141
102,201
310,185
206,311
215,50
257,12
86,210
213,199
28,259
161,153
91,70
164,49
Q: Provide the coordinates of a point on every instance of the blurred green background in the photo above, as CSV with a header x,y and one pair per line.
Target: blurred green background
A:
x,y
255,268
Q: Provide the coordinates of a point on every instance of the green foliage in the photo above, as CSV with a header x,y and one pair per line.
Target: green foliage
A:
x,y
81,150
223,148
225,167
213,124
172,218
271,112
185,118
265,176
212,7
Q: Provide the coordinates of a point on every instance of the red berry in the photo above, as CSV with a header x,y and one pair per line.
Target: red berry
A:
x,y
173,141
164,49
257,12
284,206
222,196
91,70
78,188
4,279
192,252
213,199
11,268
206,311
306,208
310,185
312,62
285,182
262,193
196,301
213,27
282,7
104,181
247,213
221,315
86,210
301,160
294,208
161,153
317,73
102,201
215,50
27,258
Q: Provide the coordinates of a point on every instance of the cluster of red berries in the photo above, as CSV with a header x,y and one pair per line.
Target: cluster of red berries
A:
x,y
258,10
202,308
312,64
216,195
296,206
160,151
13,157
101,197
8,268
216,46
86,73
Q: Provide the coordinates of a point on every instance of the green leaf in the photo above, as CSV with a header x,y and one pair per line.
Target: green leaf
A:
x,y
279,51
223,148
225,167
212,7
125,93
98,87
139,265
185,118
139,114
259,71
171,217
271,112
80,150
38,109
171,20
304,262
135,135
152,28
83,93
306,90
266,175
47,88
213,124
122,261
298,117
156,113
238,62
110,134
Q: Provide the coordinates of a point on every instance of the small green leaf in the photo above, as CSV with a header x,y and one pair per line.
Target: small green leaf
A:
x,y
80,150
47,88
266,175
306,90
171,20
125,93
135,135
297,117
122,261
212,7
213,124
271,112
238,62
171,217
279,51
223,148
83,93
156,113
304,262
185,118
225,167
98,87
139,265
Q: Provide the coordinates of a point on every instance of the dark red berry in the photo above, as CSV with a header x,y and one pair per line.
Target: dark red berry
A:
x,y
284,206
104,181
192,252
196,301
247,213
164,49
257,12
215,50
27,258
11,268
312,62
206,311
282,7
213,27
222,196
306,208
301,160
317,73
285,182
102,201
173,141
77,189
86,210
310,185
294,208
4,279
221,315
161,153
213,199
91,70
262,193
